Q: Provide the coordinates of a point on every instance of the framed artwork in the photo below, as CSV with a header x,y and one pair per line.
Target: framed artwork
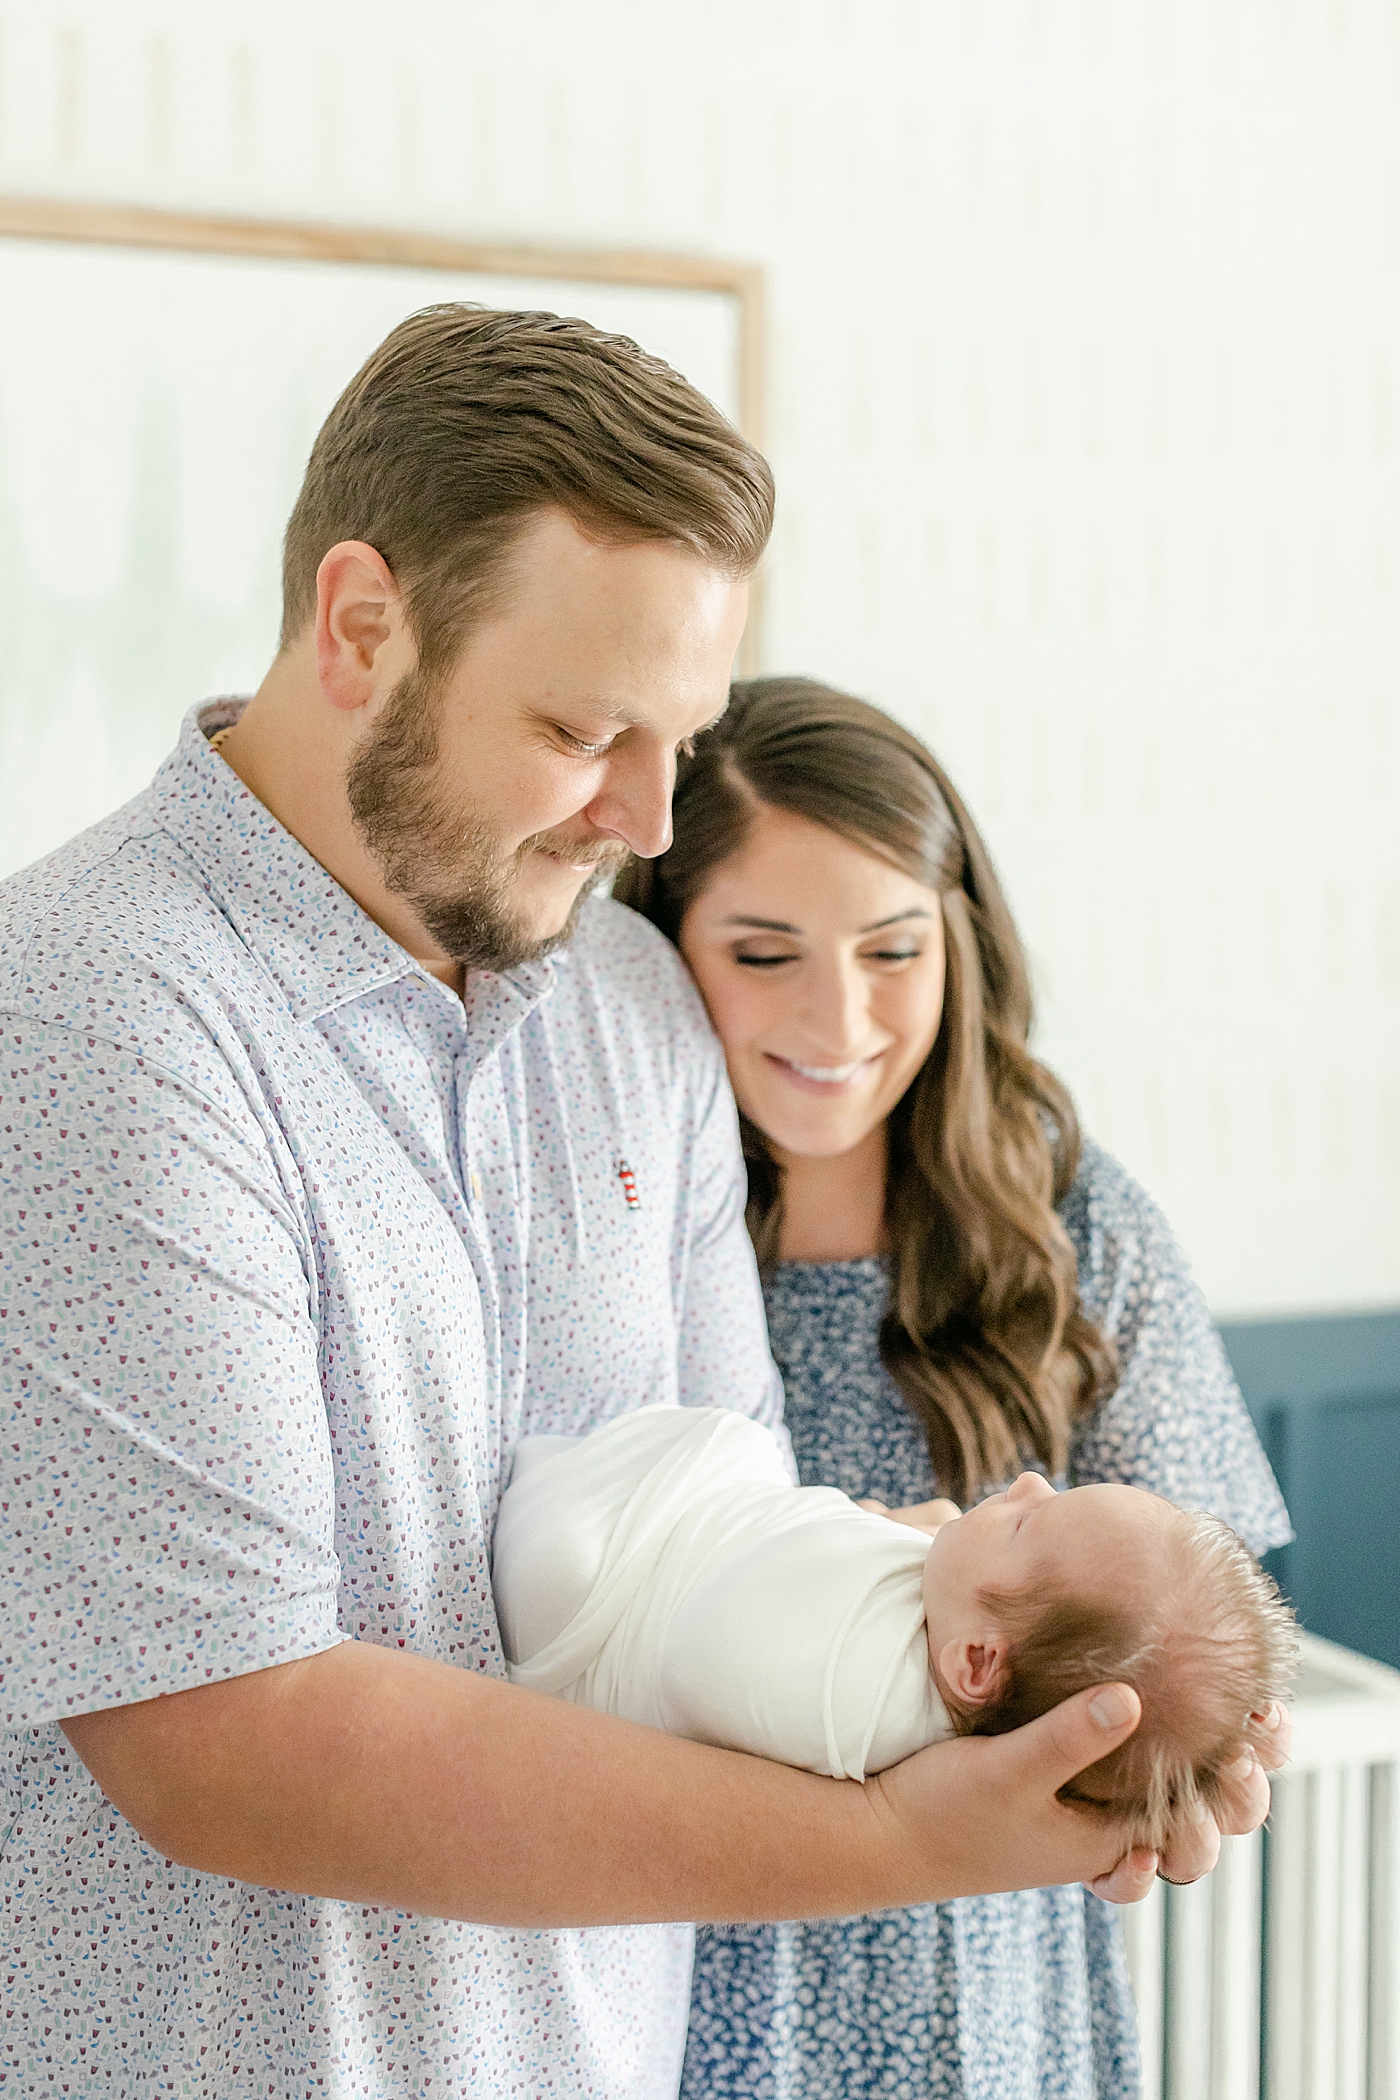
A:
x,y
162,378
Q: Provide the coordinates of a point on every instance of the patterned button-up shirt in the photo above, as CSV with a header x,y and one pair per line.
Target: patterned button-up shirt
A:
x,y
293,1244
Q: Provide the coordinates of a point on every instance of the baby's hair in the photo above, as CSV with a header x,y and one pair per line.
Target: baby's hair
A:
x,y
1217,1645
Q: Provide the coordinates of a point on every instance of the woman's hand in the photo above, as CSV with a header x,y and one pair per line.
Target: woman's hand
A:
x,y
1197,1848
920,1516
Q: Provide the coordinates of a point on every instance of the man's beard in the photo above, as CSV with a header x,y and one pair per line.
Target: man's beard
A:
x,y
444,860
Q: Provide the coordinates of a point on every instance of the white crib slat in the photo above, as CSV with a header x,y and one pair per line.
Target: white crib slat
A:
x,y
1353,1903
1188,1992
1384,2037
1143,1925
1287,1929
1322,1926
1235,1981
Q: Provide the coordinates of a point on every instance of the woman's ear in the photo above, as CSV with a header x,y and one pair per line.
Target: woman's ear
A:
x,y
974,1671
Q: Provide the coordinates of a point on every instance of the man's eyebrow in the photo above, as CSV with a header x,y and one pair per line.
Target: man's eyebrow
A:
x,y
550,709
613,711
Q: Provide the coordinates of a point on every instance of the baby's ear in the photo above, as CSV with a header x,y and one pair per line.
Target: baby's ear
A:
x,y
973,1671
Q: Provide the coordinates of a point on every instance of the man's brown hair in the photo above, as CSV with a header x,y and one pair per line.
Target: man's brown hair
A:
x,y
1218,1646
465,422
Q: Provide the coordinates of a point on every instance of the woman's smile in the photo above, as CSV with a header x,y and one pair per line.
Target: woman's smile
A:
x,y
804,938
825,1079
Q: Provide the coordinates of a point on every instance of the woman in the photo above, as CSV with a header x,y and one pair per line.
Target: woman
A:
x,y
957,1287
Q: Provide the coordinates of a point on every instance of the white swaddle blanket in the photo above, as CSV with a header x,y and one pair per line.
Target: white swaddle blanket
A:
x,y
665,1569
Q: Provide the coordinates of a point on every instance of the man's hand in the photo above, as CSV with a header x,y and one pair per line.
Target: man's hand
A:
x,y
1196,1849
996,1820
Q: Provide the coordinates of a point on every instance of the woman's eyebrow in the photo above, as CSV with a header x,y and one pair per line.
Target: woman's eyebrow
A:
x,y
915,911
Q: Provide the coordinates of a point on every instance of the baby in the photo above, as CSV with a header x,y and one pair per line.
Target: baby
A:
x,y
665,1569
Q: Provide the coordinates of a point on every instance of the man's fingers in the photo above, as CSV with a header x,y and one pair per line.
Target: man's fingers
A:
x,y
1078,1732
1245,1788
1271,1733
1193,1851
1130,1880
1195,1848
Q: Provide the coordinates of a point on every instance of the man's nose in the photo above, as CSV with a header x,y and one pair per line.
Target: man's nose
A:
x,y
634,804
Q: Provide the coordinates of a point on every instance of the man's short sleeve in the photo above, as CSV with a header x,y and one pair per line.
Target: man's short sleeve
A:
x,y
166,1490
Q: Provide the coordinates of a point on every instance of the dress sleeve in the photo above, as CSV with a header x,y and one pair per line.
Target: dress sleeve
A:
x,y
166,1490
1177,1423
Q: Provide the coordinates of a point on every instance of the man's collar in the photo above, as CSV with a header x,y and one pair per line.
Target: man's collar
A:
x,y
319,944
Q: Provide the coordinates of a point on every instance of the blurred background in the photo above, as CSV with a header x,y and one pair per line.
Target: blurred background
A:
x,y
1081,379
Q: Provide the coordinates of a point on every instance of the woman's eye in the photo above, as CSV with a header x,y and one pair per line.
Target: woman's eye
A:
x,y
892,955
763,962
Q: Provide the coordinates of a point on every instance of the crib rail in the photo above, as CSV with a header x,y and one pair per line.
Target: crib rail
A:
x,y
1278,1977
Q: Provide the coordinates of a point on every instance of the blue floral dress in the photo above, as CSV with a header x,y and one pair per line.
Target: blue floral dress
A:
x,y
1016,1997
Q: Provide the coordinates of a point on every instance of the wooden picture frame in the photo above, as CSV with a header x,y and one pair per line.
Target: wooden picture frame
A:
x,y
136,226
116,627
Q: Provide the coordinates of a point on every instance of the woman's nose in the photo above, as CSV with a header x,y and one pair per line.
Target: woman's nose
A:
x,y
838,1009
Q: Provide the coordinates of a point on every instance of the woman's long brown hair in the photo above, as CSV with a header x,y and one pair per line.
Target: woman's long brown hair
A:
x,y
984,1334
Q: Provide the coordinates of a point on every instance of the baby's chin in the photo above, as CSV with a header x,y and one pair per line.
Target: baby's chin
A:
x,y
935,1589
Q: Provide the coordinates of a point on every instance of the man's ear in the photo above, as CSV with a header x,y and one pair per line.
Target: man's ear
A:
x,y
359,617
974,1671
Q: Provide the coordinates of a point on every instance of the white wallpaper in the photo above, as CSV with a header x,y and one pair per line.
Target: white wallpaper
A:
x,y
1085,406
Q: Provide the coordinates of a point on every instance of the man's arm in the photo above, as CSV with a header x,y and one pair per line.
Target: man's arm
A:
x,y
378,1777
357,1771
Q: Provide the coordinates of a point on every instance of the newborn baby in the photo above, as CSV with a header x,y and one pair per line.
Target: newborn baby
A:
x,y
665,1569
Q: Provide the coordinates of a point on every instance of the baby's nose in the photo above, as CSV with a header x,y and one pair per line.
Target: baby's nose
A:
x,y
1031,1487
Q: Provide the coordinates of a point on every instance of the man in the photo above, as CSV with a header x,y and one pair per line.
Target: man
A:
x,y
319,1177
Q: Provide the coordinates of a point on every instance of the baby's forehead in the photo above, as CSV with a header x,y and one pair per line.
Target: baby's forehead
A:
x,y
1108,1514
1104,1497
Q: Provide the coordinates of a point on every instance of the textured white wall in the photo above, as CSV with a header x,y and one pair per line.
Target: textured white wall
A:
x,y
1085,358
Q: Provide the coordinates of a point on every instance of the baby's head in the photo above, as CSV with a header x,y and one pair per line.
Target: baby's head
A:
x,y
1032,1596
